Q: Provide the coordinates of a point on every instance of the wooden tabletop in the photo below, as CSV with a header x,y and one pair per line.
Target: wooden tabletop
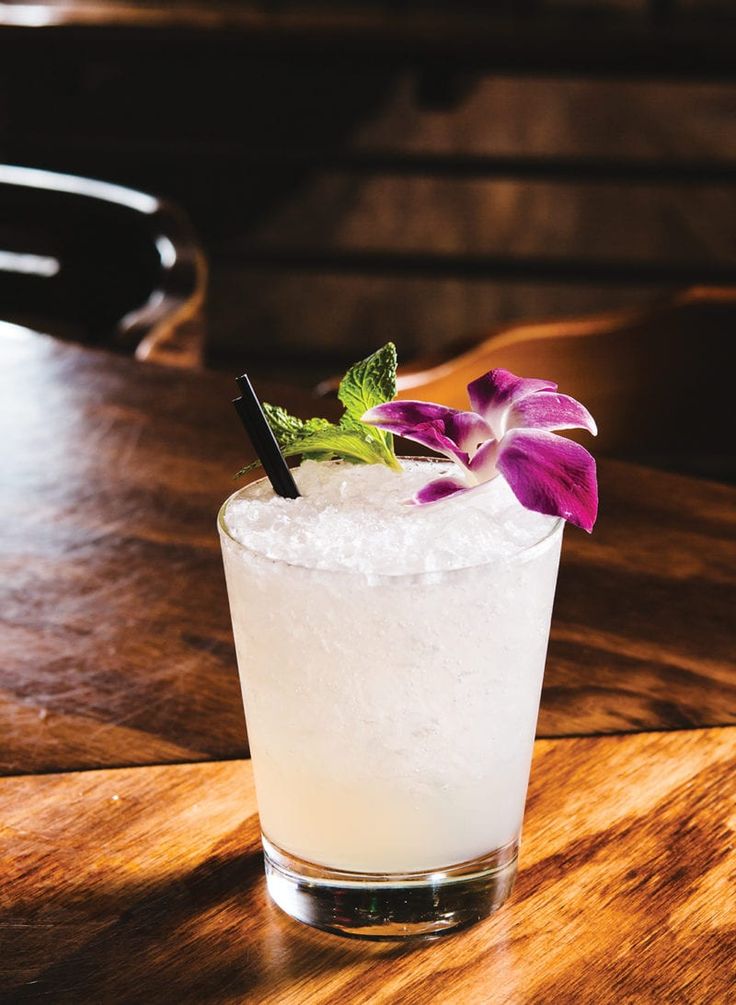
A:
x,y
115,633
140,878
146,884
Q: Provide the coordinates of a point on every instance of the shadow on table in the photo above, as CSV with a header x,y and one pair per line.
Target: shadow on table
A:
x,y
211,935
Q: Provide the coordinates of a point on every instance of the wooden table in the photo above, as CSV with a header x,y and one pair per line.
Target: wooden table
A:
x,y
128,831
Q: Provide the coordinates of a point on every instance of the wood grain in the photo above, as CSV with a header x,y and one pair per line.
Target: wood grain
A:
x,y
115,635
643,627
146,884
343,213
116,645
334,216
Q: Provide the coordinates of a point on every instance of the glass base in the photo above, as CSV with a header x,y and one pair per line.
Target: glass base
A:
x,y
390,906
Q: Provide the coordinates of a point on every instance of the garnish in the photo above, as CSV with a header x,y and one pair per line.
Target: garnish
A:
x,y
368,383
509,432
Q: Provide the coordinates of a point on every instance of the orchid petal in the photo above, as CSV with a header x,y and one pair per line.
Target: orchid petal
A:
x,y
440,488
550,474
548,410
405,413
483,464
491,394
447,430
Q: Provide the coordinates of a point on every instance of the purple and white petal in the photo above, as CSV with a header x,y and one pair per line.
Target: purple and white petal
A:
x,y
419,421
549,410
510,432
395,416
483,464
440,488
550,474
468,430
501,387
491,394
447,430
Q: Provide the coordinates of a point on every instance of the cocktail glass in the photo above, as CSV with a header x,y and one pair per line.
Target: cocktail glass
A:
x,y
391,722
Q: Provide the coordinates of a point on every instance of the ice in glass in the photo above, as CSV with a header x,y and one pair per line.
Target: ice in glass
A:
x,y
391,660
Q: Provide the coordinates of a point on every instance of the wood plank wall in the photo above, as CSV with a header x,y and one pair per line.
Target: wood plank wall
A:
x,y
342,202
406,255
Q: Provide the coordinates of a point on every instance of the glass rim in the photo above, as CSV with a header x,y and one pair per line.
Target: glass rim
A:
x,y
522,556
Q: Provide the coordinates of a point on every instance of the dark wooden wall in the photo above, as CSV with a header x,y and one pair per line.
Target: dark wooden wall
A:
x,y
350,188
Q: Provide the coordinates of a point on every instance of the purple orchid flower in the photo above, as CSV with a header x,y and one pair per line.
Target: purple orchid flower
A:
x,y
511,432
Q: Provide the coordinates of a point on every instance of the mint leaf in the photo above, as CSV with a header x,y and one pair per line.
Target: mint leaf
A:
x,y
290,432
370,382
247,469
288,428
381,443
350,444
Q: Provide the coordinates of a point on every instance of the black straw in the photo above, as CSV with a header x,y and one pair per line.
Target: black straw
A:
x,y
264,442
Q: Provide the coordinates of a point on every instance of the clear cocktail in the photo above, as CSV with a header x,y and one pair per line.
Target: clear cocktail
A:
x,y
391,661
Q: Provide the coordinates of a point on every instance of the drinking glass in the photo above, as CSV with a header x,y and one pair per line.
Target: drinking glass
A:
x,y
391,722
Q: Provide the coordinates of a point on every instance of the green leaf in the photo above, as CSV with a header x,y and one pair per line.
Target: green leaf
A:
x,y
381,443
318,455
247,469
351,444
288,428
370,382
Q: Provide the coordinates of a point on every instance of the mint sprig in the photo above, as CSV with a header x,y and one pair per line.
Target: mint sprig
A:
x,y
372,381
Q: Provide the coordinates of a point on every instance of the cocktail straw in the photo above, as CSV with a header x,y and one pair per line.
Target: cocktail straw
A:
x,y
264,442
